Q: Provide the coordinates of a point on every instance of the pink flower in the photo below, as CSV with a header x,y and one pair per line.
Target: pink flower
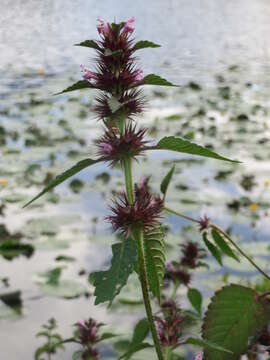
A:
x,y
199,356
129,25
139,75
87,74
102,27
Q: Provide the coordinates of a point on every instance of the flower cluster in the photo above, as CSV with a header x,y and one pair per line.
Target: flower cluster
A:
x,y
88,337
144,212
169,325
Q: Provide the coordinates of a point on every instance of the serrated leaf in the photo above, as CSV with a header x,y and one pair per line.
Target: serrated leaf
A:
x,y
154,249
90,44
166,181
79,85
212,248
222,244
234,318
195,299
206,344
109,283
64,176
184,146
143,44
153,79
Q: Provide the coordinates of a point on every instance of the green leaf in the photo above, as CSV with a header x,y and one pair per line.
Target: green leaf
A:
x,y
143,44
154,249
79,85
106,336
135,349
89,43
235,317
222,244
212,248
184,146
206,344
166,181
153,79
64,176
195,299
109,283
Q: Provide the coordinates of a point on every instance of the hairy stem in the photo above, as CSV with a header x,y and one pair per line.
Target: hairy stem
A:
x,y
127,165
139,237
213,226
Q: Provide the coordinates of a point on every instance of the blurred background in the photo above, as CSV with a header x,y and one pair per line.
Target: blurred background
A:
x,y
218,52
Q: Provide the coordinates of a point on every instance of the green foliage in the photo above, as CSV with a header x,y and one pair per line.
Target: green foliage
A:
x,y
184,146
212,248
195,298
64,176
206,345
154,250
10,249
222,244
143,44
109,283
153,79
79,85
166,181
235,316
89,43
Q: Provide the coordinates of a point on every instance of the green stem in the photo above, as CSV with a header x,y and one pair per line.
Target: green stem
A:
x,y
181,215
168,353
127,165
138,236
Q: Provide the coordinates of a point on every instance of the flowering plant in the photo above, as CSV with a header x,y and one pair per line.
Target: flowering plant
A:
x,y
136,214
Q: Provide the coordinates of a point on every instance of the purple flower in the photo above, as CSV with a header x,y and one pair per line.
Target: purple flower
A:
x,y
177,274
199,356
102,27
139,75
87,74
191,254
88,331
129,25
204,223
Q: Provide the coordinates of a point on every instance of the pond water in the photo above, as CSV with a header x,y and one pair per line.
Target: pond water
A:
x,y
223,48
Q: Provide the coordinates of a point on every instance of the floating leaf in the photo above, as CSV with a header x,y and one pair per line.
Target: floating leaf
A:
x,y
10,249
153,79
143,44
79,85
222,244
195,299
184,146
235,316
65,175
212,248
154,250
89,43
166,181
109,283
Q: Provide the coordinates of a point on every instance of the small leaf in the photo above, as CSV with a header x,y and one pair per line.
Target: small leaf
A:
x,y
184,146
143,44
79,85
154,249
234,319
89,43
222,244
206,344
212,248
166,181
135,349
106,336
109,283
153,79
65,175
195,299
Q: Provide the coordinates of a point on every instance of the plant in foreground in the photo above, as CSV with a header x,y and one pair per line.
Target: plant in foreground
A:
x,y
137,213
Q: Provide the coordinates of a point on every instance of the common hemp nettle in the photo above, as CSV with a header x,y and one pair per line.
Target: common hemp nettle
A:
x,y
236,320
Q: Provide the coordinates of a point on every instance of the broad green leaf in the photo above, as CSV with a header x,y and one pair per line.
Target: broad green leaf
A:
x,y
222,244
89,43
109,283
166,181
212,248
153,79
206,345
143,44
184,146
64,176
154,250
79,85
195,299
234,319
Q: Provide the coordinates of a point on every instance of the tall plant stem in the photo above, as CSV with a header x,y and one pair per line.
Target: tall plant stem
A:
x,y
213,226
139,237
137,233
168,353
